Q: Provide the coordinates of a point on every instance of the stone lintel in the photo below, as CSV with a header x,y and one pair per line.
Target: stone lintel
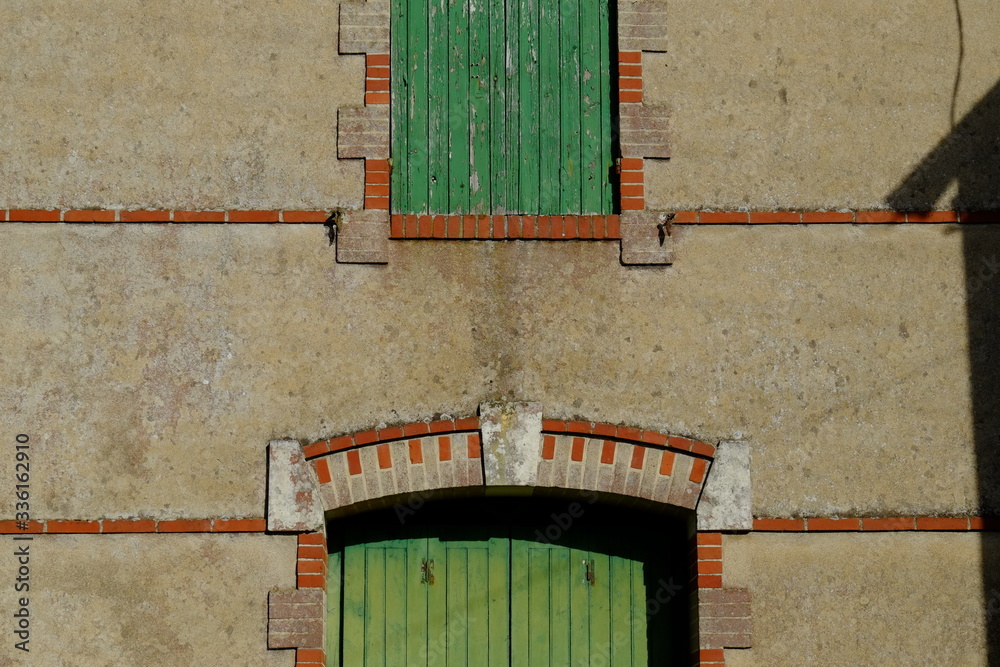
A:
x,y
293,500
512,443
726,501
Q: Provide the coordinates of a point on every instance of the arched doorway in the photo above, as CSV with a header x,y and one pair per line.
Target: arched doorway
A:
x,y
510,450
508,581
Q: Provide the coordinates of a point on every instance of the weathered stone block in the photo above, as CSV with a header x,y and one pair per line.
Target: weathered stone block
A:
x,y
642,26
293,500
363,237
726,501
644,130
364,27
363,132
644,239
512,442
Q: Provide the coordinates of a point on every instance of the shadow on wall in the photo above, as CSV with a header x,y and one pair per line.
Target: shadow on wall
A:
x,y
969,158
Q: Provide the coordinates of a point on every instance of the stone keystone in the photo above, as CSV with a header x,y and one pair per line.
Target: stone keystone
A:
x,y
512,442
726,499
293,499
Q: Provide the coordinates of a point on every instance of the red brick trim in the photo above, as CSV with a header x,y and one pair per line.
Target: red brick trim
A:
x,y
109,526
424,457
876,524
105,216
629,434
721,616
390,434
829,217
507,227
376,78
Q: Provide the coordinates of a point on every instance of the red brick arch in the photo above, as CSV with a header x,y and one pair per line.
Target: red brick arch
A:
x,y
377,466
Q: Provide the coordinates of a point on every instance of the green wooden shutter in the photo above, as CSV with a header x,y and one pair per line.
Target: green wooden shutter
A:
x,y
425,601
501,106
560,617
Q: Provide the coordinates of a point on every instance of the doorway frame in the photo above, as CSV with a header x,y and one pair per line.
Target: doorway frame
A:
x,y
509,449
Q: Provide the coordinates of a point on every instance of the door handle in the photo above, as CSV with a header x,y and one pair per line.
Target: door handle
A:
x,y
426,571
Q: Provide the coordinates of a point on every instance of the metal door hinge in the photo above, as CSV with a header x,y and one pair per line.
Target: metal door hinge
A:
x,y
426,571
588,572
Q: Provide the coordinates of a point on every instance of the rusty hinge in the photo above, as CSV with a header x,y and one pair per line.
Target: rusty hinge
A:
x,y
426,571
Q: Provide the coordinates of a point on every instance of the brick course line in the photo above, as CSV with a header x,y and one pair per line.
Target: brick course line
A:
x,y
567,227
876,524
390,434
121,526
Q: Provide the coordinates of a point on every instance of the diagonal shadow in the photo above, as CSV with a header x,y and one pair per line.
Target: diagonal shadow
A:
x,y
969,158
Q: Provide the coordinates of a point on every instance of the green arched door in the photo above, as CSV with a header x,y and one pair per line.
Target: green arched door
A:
x,y
490,594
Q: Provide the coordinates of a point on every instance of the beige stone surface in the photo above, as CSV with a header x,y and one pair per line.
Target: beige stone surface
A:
x,y
151,364
232,104
863,599
140,600
782,104
187,104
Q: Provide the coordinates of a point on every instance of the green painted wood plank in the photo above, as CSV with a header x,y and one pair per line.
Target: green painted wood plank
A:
x,y
479,103
607,198
437,108
375,603
396,624
458,105
399,106
528,98
600,609
621,612
457,584
416,603
579,609
550,127
512,111
499,602
561,579
418,102
569,107
593,171
539,606
478,604
437,605
499,137
354,606
519,600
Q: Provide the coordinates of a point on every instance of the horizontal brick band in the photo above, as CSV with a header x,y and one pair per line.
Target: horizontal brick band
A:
x,y
484,227
830,217
876,524
108,526
390,433
629,434
144,216
295,618
513,227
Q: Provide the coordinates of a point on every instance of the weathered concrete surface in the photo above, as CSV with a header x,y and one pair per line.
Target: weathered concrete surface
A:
x,y
151,599
779,104
727,501
512,442
152,364
862,599
187,104
293,499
